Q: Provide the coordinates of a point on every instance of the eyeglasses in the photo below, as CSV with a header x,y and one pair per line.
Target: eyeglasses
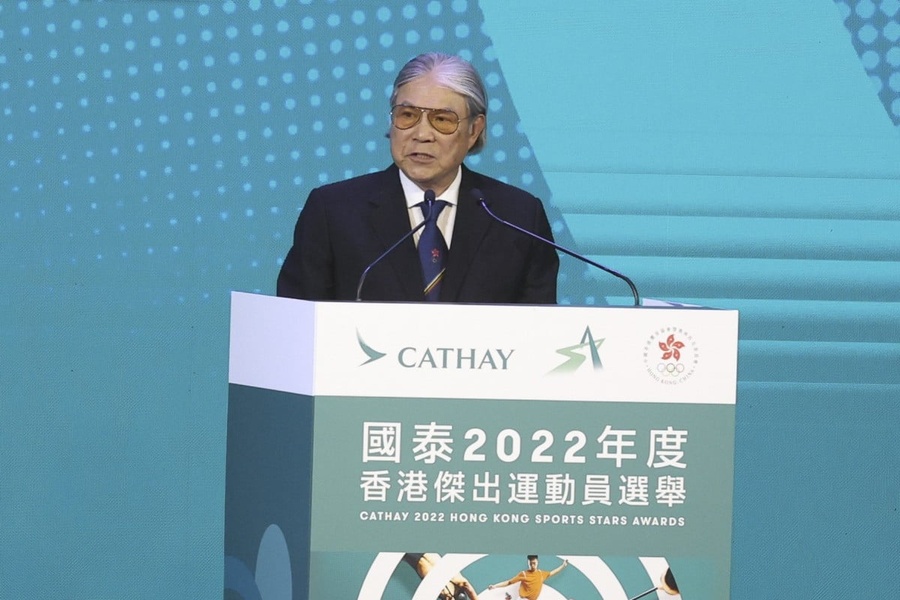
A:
x,y
444,121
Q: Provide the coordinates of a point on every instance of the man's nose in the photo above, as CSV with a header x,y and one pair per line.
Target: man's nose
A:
x,y
423,129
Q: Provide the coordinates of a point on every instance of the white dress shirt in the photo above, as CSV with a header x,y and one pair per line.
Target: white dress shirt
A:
x,y
447,218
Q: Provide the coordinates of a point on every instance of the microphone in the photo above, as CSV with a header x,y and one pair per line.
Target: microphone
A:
x,y
480,198
429,216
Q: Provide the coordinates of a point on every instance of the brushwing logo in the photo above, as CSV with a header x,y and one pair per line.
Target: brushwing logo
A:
x,y
671,355
371,352
575,355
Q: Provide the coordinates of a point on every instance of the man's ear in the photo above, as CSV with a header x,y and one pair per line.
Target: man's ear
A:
x,y
476,128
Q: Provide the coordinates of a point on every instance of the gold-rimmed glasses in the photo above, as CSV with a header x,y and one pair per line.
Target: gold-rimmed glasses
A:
x,y
443,120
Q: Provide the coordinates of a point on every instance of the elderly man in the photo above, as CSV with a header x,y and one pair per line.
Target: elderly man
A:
x,y
458,252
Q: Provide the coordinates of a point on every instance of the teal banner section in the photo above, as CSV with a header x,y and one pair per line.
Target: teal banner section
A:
x,y
492,476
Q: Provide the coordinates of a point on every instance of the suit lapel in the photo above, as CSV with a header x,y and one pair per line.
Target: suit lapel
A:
x,y
390,221
468,231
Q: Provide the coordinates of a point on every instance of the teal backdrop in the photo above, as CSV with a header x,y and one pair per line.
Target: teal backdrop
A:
x,y
154,156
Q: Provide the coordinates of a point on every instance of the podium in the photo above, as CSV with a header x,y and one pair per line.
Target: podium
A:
x,y
364,435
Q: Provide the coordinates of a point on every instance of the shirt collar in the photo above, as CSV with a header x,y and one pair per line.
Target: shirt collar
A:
x,y
415,195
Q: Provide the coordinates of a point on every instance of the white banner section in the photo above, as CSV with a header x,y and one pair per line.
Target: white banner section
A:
x,y
658,354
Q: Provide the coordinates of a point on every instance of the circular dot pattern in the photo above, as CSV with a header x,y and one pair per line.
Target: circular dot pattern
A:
x,y
875,31
178,139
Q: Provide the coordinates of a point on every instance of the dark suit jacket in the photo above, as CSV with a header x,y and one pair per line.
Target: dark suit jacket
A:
x,y
345,226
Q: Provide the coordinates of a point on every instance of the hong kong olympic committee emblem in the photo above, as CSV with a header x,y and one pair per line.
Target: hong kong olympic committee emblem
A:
x,y
671,355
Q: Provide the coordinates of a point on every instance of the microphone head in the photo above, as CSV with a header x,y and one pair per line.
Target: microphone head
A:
x,y
479,197
428,209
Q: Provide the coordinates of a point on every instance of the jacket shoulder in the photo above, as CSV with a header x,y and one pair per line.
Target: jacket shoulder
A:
x,y
358,187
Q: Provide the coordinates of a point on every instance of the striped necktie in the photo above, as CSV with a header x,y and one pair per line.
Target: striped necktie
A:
x,y
432,250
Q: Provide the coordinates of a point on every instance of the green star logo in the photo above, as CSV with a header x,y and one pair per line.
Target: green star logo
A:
x,y
576,355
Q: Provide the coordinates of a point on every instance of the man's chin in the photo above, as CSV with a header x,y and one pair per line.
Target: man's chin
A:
x,y
423,178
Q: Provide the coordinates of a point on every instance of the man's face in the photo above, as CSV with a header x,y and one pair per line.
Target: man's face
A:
x,y
532,564
430,158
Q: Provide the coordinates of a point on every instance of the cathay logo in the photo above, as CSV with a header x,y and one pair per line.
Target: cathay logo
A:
x,y
577,354
371,352
442,357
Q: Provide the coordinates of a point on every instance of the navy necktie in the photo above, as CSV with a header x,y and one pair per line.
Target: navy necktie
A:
x,y
432,250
